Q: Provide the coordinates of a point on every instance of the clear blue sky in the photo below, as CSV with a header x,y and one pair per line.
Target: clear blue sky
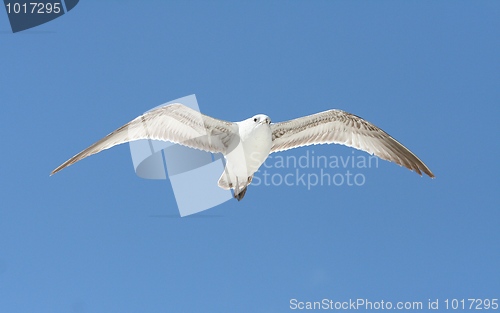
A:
x,y
96,238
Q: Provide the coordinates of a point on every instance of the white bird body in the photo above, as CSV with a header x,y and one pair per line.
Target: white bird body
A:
x,y
247,144
247,153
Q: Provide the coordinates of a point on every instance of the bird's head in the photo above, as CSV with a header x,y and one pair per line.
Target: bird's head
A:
x,y
261,119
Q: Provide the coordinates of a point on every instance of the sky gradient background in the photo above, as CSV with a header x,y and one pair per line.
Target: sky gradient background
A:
x,y
96,238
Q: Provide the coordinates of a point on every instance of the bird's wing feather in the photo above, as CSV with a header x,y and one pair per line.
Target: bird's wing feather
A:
x,y
336,126
176,123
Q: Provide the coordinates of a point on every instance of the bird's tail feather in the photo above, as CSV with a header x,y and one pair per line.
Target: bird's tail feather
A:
x,y
224,180
227,181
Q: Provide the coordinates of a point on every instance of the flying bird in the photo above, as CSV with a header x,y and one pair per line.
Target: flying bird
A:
x,y
247,144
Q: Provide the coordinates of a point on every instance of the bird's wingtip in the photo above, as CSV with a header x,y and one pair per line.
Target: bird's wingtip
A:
x,y
430,173
54,171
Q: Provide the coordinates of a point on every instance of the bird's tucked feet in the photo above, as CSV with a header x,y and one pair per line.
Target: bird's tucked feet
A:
x,y
240,194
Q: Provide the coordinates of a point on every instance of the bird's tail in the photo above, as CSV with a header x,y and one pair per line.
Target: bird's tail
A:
x,y
228,181
223,181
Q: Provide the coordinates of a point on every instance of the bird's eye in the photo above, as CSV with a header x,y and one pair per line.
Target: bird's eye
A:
x,y
255,119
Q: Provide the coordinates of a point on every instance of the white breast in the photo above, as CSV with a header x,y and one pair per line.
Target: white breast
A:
x,y
252,150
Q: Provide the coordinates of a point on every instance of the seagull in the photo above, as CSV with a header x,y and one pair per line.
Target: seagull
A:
x,y
247,144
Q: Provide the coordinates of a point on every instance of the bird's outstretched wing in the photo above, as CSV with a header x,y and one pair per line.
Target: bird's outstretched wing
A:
x,y
336,126
176,123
